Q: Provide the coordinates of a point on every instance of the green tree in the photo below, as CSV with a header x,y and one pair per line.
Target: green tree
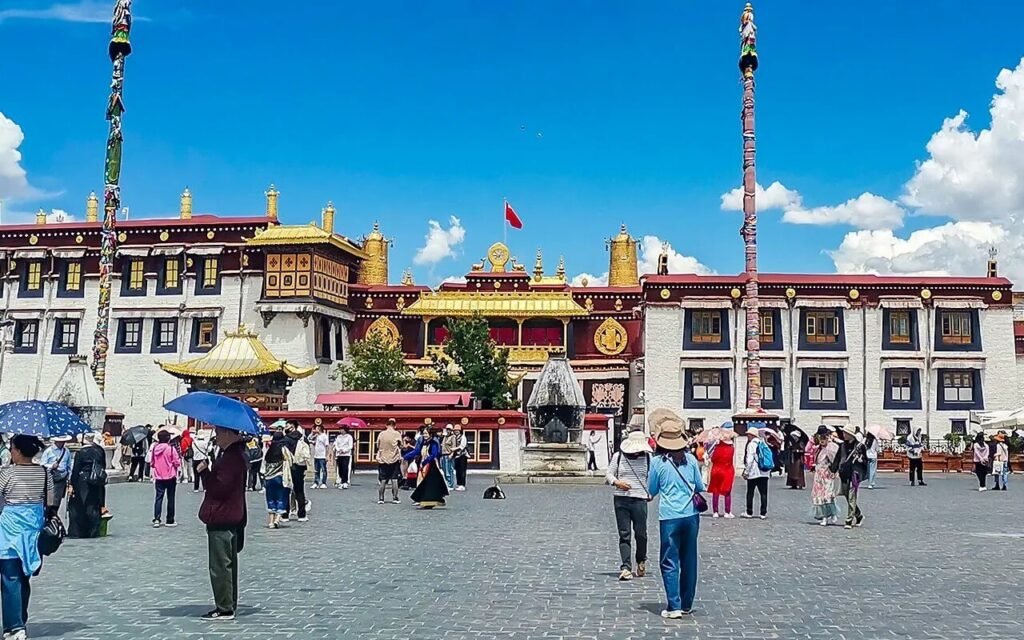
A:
x,y
376,364
472,362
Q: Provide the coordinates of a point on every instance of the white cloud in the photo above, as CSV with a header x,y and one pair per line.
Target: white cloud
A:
x,y
776,196
93,11
866,211
650,249
592,280
60,215
454,280
13,177
440,243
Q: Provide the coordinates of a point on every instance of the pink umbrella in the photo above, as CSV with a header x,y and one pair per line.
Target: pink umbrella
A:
x,y
880,432
351,423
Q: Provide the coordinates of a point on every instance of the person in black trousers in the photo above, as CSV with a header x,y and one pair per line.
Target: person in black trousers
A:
x,y
138,461
460,458
915,451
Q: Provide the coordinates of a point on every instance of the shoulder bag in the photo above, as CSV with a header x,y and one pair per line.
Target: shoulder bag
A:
x,y
628,464
700,503
52,534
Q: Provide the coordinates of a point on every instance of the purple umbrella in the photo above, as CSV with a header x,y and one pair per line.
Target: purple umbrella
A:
x,y
352,423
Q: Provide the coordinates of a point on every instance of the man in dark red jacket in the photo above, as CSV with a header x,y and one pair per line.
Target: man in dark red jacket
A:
x,y
223,512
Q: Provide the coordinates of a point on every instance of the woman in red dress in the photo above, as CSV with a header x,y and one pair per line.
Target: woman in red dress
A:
x,y
722,471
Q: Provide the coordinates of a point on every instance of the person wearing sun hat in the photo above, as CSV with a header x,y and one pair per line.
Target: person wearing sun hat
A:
x,y
675,478
1000,461
853,468
57,459
723,470
628,472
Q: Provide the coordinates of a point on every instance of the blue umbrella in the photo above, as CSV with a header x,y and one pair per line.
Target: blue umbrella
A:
x,y
41,418
218,410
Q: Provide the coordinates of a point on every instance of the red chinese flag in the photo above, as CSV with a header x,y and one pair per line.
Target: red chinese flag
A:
x,y
512,218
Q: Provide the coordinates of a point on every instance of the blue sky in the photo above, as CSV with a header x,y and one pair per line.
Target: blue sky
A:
x,y
582,114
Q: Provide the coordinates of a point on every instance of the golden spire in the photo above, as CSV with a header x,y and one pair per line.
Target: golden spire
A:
x,y
272,195
186,204
374,270
40,216
622,265
92,208
407,278
538,268
327,217
560,271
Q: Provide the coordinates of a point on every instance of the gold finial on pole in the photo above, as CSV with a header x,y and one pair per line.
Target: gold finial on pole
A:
x,y
92,208
186,205
328,217
538,267
272,195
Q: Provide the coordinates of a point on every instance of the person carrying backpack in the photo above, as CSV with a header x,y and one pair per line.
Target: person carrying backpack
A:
x,y
758,463
628,473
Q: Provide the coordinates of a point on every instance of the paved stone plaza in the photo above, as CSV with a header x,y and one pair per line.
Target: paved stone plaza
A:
x,y
935,562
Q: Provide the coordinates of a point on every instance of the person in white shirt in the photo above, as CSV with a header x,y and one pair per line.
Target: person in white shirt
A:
x,y
591,443
342,448
320,445
200,454
872,457
757,479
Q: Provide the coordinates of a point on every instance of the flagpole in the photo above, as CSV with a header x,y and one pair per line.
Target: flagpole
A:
x,y
504,224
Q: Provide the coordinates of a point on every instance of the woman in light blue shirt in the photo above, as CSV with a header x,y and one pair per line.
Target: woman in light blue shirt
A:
x,y
675,476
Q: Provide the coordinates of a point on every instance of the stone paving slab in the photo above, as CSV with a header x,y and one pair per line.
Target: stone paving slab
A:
x,y
542,564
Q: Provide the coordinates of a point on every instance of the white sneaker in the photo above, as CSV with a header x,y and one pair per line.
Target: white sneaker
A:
x,y
303,519
460,488
17,635
728,516
746,515
672,615
824,522
345,485
982,488
715,515
763,517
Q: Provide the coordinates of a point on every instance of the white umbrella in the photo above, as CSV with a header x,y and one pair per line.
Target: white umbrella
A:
x,y
880,432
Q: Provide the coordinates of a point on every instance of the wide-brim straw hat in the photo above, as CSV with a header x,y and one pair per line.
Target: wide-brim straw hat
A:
x,y
753,432
672,439
664,419
850,429
635,443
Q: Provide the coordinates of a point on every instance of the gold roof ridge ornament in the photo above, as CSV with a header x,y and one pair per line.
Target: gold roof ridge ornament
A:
x,y
304,234
611,338
373,270
386,329
496,304
241,354
623,269
498,255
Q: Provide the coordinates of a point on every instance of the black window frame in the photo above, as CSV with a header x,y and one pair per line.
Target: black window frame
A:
x,y
194,346
339,341
721,345
899,426
977,402
803,344
322,339
776,343
807,404
777,401
65,272
23,290
155,346
201,289
887,343
19,332
975,322
126,278
59,327
161,282
121,343
888,402
724,401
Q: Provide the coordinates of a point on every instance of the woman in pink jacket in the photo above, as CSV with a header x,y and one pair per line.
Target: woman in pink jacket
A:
x,y
165,465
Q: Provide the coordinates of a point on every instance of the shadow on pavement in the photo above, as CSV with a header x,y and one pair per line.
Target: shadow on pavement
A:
x,y
55,629
196,610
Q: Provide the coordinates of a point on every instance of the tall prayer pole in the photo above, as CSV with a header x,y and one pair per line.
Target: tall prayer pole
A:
x,y
119,49
748,65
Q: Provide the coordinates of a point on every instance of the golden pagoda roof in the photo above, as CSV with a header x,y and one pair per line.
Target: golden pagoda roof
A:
x,y
309,234
512,304
240,354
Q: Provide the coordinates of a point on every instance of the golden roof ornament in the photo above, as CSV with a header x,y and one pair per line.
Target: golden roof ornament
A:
x,y
663,260
272,193
92,208
327,217
407,278
185,210
40,216
538,267
374,270
622,260
560,271
498,255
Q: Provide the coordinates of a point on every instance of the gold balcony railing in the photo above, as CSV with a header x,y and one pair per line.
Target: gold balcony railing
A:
x,y
517,354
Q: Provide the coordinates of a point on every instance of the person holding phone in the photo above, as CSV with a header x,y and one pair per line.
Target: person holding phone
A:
x,y
628,472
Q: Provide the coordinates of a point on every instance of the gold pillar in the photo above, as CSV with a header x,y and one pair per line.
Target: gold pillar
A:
x,y
327,217
272,195
426,335
519,332
40,216
565,336
186,204
92,208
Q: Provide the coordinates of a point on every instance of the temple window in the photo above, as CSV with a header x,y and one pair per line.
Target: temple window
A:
x,y
73,276
26,336
503,332
204,334
65,336
170,276
208,280
129,336
478,445
32,280
821,327
956,327
165,335
707,327
541,332
767,327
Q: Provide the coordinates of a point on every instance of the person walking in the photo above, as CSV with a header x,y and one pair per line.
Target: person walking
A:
x,y
796,447
88,489
186,474
675,478
915,454
165,464
460,458
823,488
853,469
755,471
278,480
201,446
301,457
321,443
342,448
871,445
629,473
57,460
1001,461
224,514
254,450
389,459
138,461
448,443
591,444
981,460
25,488
408,443
723,471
